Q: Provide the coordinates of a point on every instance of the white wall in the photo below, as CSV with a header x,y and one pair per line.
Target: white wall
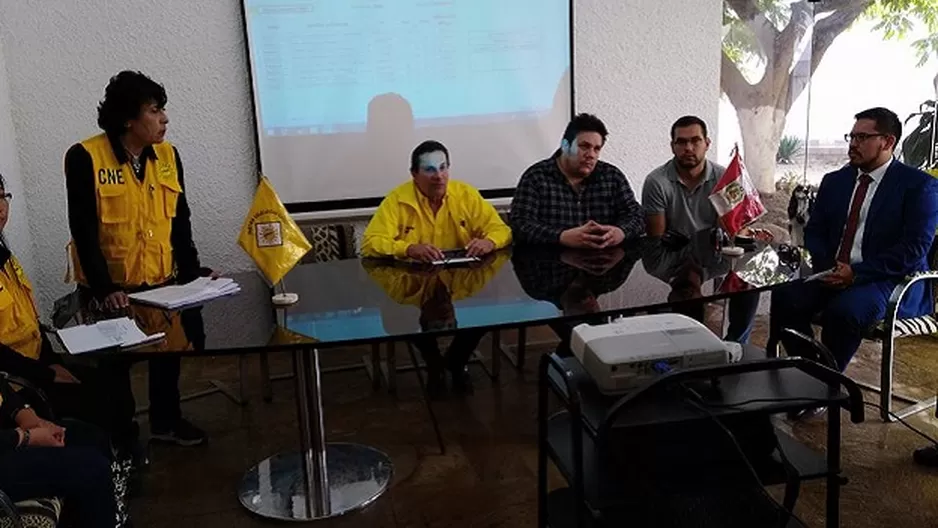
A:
x,y
639,65
17,228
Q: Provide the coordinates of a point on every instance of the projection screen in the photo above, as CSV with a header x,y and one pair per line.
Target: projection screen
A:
x,y
345,89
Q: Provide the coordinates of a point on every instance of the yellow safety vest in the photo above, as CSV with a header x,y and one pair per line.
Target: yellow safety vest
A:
x,y
134,217
19,321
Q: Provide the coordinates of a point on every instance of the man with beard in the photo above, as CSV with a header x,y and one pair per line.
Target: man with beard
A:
x,y
872,225
676,199
675,196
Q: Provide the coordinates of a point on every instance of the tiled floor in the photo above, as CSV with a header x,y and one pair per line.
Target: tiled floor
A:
x,y
487,476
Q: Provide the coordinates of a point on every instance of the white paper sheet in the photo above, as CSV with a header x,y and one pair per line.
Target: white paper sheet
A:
x,y
110,333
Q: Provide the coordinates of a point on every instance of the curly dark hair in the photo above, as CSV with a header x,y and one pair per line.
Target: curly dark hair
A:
x,y
125,95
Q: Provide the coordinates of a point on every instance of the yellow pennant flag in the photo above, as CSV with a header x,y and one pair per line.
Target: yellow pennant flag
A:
x,y
270,236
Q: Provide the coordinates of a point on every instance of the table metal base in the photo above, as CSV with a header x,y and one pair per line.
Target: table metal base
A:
x,y
276,489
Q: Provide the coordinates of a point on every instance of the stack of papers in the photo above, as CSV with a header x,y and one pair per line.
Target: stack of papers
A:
x,y
103,335
198,291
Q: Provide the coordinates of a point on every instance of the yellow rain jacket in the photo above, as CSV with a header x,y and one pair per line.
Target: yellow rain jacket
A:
x,y
405,218
19,322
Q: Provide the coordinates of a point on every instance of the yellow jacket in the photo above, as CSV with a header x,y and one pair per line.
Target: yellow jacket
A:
x,y
134,217
414,286
405,218
19,322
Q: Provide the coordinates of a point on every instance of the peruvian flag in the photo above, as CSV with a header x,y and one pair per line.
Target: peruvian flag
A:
x,y
735,198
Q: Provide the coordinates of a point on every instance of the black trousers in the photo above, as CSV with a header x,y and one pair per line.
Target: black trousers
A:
x,y
104,398
79,473
460,349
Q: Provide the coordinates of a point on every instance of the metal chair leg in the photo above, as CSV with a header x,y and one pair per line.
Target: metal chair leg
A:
x,y
392,368
376,366
266,384
885,395
426,398
519,351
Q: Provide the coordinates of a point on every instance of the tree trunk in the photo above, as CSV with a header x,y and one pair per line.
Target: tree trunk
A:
x,y
761,128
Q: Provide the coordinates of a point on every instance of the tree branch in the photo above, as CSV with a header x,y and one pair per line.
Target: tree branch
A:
x,y
755,19
784,53
827,29
832,6
746,10
734,85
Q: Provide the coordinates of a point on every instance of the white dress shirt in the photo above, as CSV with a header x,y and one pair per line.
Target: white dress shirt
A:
x,y
856,252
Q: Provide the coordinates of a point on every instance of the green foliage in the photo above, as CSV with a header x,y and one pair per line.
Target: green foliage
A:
x,y
787,183
788,148
918,143
894,18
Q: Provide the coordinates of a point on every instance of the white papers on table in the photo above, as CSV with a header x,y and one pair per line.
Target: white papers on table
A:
x,y
178,295
110,333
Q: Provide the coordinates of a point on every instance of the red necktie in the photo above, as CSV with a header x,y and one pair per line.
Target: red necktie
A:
x,y
850,231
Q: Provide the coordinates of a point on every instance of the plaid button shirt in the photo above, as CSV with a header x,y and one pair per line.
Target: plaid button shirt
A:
x,y
545,205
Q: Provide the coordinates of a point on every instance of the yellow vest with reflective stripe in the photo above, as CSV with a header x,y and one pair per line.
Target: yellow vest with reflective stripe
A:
x,y
134,217
19,322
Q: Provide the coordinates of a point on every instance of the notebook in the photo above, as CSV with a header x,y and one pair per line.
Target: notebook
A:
x,y
178,295
110,333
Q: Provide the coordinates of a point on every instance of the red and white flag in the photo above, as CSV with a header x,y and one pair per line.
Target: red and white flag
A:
x,y
735,198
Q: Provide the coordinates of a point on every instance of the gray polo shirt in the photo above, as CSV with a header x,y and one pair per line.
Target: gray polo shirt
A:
x,y
685,210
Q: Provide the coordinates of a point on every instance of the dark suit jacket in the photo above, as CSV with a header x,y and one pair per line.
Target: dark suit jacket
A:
x,y
899,228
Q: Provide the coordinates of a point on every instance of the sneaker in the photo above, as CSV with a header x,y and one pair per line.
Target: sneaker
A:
x,y
183,434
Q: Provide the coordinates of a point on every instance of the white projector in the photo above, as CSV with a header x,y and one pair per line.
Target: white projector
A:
x,y
629,353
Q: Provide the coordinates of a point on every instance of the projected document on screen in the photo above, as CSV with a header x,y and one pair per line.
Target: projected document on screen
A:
x,y
344,89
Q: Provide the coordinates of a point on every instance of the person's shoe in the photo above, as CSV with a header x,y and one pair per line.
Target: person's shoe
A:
x,y
462,381
806,414
926,456
182,434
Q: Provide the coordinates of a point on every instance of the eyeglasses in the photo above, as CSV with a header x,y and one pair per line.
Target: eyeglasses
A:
x,y
860,137
6,197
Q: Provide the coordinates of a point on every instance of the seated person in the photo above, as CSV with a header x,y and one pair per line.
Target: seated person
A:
x,y
872,225
40,459
676,198
98,395
572,280
572,198
425,216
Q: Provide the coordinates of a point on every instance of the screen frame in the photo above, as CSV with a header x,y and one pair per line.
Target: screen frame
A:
x,y
347,204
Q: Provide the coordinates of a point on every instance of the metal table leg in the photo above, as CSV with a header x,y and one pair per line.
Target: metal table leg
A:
x,y
833,467
322,480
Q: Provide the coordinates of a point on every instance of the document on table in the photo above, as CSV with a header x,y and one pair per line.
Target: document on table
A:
x,y
179,295
110,333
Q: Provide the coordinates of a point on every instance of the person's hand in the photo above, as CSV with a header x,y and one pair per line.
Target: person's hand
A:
x,y
27,419
612,236
424,252
116,301
209,272
587,236
62,375
841,277
478,247
46,437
